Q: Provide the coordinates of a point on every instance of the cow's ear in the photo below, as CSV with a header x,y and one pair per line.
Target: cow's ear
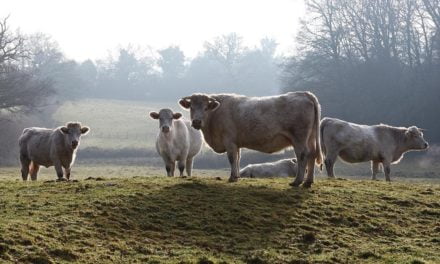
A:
x,y
154,115
65,130
411,131
185,103
212,105
85,130
177,115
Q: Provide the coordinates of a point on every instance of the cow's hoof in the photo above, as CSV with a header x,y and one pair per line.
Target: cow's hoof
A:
x,y
233,179
294,184
61,179
307,184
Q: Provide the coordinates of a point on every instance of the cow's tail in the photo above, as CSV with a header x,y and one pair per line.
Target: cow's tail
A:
x,y
323,149
317,121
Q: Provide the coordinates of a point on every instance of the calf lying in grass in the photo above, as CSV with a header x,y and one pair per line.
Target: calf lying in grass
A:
x,y
280,168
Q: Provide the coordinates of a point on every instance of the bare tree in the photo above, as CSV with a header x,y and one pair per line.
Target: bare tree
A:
x,y
227,50
20,89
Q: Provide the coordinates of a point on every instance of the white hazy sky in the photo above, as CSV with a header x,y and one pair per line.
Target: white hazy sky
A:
x,y
91,28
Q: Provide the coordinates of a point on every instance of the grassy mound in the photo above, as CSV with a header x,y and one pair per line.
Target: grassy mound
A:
x,y
207,220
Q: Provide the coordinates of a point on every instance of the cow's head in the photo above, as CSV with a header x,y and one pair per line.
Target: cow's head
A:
x,y
200,105
166,117
72,133
414,138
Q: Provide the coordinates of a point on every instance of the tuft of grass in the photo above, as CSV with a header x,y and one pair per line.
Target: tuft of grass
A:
x,y
138,216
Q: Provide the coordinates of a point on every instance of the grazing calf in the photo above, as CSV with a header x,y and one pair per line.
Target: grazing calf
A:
x,y
359,143
176,141
280,168
267,124
50,147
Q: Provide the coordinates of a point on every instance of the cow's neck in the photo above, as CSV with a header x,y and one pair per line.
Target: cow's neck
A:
x,y
401,146
168,137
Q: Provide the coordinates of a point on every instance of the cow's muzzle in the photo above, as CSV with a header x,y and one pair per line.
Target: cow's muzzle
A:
x,y
197,124
75,144
165,129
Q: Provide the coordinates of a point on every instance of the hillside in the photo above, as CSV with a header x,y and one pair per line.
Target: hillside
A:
x,y
128,218
114,123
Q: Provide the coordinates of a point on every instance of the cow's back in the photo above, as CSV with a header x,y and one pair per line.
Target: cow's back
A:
x,y
259,123
357,143
35,143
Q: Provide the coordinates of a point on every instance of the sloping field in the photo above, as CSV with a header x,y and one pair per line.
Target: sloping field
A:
x,y
114,124
127,218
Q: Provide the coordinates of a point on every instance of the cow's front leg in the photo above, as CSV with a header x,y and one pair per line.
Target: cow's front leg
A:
x,y
374,169
234,161
59,171
170,167
189,165
387,170
181,166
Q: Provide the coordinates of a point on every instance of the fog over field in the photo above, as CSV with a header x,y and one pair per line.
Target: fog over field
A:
x,y
108,64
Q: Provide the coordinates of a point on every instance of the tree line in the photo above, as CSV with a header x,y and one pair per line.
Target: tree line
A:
x,y
371,61
368,61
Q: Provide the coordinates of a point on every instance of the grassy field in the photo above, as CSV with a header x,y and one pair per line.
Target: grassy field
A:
x,y
114,123
133,214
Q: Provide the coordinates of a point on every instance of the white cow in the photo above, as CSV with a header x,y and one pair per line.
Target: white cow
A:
x,y
176,141
360,143
268,124
50,147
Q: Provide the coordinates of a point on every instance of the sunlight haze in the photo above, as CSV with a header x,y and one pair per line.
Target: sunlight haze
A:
x,y
91,29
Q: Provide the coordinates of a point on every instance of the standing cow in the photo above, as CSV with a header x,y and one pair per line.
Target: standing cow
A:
x,y
176,141
279,168
50,147
267,124
359,143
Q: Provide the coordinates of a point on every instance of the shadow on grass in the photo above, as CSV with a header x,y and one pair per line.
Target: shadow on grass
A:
x,y
218,217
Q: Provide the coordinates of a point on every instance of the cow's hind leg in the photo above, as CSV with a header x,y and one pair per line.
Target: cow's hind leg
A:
x,y
189,165
302,156
329,162
67,173
387,169
311,162
374,169
34,168
25,163
310,172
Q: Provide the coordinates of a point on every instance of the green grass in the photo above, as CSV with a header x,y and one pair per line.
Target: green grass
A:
x,y
114,123
126,217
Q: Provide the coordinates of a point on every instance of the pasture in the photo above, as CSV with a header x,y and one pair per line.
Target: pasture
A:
x,y
134,214
114,123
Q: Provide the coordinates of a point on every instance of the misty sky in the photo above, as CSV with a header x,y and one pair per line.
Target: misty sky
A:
x,y
90,29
